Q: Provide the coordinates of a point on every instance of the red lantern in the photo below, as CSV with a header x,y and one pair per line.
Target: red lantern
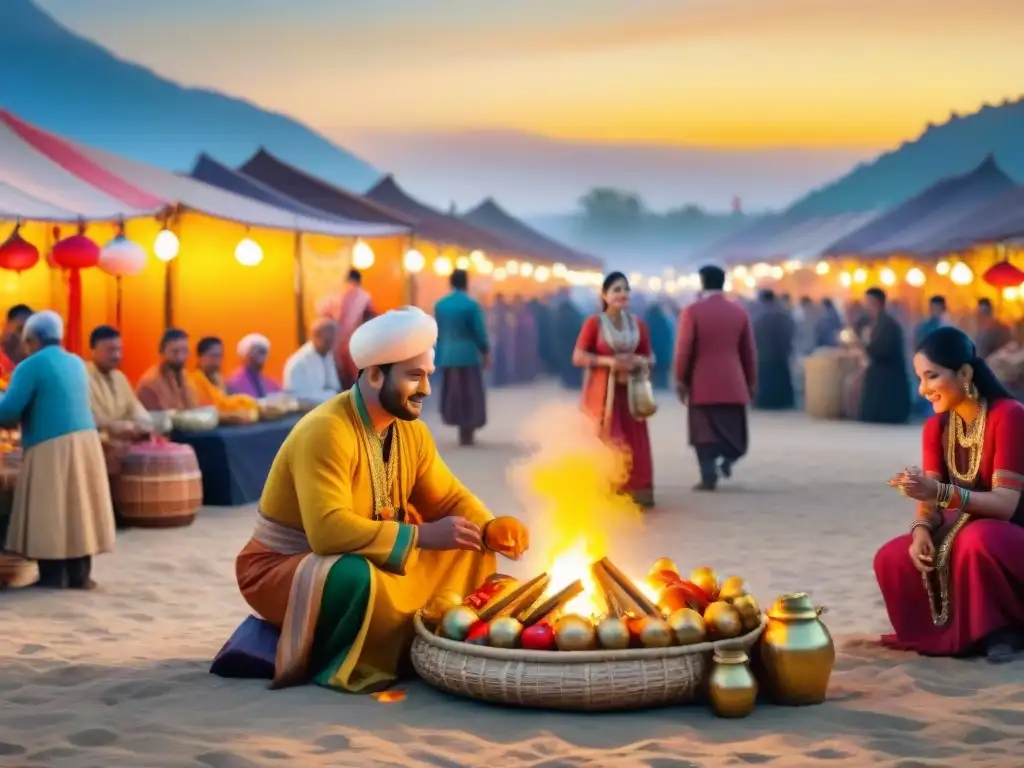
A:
x,y
76,252
17,254
1003,275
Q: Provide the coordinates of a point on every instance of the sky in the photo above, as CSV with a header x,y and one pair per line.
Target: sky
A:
x,y
407,83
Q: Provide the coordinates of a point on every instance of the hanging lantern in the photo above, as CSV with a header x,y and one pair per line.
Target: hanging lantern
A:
x,y
18,254
414,261
166,245
74,254
362,255
1003,275
122,257
248,252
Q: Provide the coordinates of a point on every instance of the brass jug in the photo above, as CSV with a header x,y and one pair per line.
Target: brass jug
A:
x,y
732,688
797,652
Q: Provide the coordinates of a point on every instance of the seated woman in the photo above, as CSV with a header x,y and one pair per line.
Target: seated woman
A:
x,y
249,379
955,584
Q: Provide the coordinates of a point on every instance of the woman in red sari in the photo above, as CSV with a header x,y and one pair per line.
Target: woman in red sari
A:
x,y
955,585
610,347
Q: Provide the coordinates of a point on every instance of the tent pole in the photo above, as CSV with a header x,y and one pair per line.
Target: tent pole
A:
x,y
169,295
119,299
300,290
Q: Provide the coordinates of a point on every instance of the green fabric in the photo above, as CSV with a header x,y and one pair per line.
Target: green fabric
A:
x,y
400,552
342,608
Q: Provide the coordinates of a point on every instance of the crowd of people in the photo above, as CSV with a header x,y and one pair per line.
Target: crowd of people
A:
x,y
384,494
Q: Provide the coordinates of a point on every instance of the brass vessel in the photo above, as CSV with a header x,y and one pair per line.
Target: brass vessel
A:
x,y
797,651
732,688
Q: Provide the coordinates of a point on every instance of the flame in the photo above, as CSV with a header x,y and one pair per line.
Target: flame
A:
x,y
570,478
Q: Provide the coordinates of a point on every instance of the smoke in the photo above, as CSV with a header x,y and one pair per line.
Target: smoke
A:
x,y
568,481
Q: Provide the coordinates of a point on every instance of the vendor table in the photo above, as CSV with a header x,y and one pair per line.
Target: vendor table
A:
x,y
235,460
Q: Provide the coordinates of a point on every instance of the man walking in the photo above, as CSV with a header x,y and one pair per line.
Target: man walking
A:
x,y
715,372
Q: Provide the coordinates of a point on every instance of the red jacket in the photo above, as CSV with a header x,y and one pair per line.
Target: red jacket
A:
x,y
715,352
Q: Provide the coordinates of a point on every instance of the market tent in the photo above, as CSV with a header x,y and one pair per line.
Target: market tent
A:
x,y
897,230
205,290
747,244
44,180
317,193
324,267
1002,218
806,241
490,216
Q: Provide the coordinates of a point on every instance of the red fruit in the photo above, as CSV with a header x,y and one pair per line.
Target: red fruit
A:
x,y
539,637
478,634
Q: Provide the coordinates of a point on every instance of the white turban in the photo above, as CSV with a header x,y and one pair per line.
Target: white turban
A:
x,y
252,342
398,335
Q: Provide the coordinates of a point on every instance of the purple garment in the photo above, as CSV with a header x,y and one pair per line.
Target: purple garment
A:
x,y
246,382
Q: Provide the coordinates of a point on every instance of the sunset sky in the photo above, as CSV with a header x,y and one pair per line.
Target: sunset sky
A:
x,y
842,77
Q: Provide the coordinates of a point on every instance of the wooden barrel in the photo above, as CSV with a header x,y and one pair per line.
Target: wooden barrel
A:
x,y
15,570
160,485
825,380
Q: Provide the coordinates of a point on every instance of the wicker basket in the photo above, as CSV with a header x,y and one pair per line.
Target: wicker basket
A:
x,y
159,486
575,680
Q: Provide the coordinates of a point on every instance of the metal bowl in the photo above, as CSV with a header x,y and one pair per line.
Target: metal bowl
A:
x,y
196,419
163,421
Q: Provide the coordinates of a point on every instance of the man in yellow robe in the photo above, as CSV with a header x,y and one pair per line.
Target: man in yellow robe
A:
x,y
208,382
114,405
361,521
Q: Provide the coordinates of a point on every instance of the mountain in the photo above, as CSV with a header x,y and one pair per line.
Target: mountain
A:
x,y
950,149
70,85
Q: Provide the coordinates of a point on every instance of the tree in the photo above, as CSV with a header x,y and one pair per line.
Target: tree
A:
x,y
612,208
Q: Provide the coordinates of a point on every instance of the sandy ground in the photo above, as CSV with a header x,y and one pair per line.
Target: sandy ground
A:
x,y
119,677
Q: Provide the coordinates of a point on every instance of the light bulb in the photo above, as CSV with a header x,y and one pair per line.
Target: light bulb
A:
x,y
443,266
792,265
776,273
477,256
961,274
1011,293
500,274
916,277
749,281
559,270
860,275
462,262
248,252
362,255
887,276
485,267
942,268
413,261
845,279
512,267
526,269
542,274
166,245
822,268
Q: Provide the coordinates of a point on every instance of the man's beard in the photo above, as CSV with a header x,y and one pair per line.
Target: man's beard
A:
x,y
175,367
392,402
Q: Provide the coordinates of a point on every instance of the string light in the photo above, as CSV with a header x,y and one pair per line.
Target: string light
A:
x,y
362,255
462,262
414,261
942,268
961,274
845,280
860,275
887,276
542,274
512,267
822,268
166,245
248,252
526,269
916,277
443,266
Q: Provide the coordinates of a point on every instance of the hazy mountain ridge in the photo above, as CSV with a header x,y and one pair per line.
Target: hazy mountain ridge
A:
x,y
65,83
943,150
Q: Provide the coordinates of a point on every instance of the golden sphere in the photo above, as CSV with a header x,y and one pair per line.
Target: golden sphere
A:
x,y
457,622
656,633
706,578
664,564
750,612
438,605
574,633
688,626
732,588
613,633
504,632
672,599
723,620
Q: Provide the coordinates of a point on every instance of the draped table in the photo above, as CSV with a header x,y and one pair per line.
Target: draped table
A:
x,y
235,459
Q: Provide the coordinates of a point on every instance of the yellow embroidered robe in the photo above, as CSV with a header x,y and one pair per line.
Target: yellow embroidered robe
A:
x,y
320,484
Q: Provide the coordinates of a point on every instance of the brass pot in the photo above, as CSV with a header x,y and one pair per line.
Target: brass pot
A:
x,y
732,688
797,652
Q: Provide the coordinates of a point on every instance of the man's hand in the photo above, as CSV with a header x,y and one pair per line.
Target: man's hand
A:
x,y
450,533
507,536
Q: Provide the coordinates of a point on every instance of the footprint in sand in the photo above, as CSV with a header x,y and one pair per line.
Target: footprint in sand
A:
x,y
93,737
136,690
11,749
224,760
334,742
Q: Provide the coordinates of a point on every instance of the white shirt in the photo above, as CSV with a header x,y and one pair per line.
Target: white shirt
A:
x,y
310,376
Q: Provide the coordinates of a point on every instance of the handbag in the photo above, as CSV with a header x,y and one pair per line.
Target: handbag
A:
x,y
640,394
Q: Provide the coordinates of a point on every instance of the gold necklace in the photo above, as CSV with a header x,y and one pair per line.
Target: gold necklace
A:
x,y
974,439
382,475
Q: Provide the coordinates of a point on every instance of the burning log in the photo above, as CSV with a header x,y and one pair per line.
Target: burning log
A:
x,y
535,590
545,608
615,597
635,595
502,602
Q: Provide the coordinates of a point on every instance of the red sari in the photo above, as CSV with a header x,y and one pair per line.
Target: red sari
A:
x,y
605,401
986,562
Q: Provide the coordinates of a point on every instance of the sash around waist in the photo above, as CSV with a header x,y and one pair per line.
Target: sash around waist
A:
x,y
279,537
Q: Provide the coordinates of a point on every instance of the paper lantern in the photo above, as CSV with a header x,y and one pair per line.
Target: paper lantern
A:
x,y
414,261
166,245
248,252
18,254
1003,275
122,257
362,255
76,252
443,266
